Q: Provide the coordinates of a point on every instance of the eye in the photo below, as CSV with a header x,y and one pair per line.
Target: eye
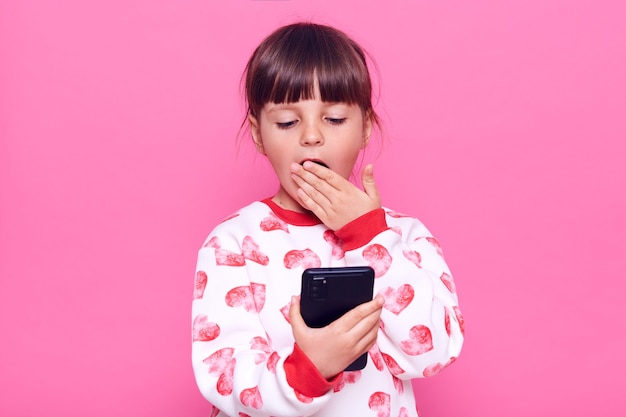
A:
x,y
286,125
336,120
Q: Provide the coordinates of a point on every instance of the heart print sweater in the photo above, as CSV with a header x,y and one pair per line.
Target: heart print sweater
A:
x,y
244,357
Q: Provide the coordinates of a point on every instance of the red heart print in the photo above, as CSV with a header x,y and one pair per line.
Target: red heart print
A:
x,y
459,318
376,357
448,282
199,284
272,222
398,384
301,258
393,366
350,377
241,297
398,300
219,360
272,361
432,370
420,341
251,251
232,216
413,256
380,402
228,258
259,343
225,381
222,363
258,294
303,398
435,368
435,243
378,258
251,397
214,242
335,243
396,215
204,330
251,298
285,311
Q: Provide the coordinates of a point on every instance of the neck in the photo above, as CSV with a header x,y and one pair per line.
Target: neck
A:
x,y
285,201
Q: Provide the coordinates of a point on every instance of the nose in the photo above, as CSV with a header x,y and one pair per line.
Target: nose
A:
x,y
312,135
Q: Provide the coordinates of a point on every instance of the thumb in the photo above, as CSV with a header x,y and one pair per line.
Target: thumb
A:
x,y
295,318
369,185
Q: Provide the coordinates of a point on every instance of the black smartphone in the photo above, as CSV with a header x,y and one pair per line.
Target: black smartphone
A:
x,y
328,293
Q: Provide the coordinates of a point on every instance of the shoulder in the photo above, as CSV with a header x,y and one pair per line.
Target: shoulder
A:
x,y
406,223
253,211
241,222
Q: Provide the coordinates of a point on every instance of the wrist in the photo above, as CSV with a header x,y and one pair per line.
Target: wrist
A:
x,y
304,377
362,230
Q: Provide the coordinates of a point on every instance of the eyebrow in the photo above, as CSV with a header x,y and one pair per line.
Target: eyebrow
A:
x,y
291,106
279,106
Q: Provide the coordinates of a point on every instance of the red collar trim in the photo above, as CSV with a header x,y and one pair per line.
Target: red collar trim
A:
x,y
292,217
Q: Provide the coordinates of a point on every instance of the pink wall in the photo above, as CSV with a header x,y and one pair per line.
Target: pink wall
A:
x,y
118,119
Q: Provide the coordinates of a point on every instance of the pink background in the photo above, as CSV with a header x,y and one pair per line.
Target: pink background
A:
x,y
506,128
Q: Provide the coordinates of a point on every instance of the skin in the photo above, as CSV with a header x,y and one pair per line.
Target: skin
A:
x,y
292,136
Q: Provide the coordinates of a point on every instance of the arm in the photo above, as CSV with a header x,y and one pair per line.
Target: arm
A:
x,y
236,367
421,324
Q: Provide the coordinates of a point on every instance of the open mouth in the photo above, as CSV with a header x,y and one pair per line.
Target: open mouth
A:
x,y
316,161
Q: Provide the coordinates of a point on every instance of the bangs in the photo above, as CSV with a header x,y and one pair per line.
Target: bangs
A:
x,y
302,59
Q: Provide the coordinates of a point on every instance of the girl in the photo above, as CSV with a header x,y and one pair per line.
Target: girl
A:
x,y
308,92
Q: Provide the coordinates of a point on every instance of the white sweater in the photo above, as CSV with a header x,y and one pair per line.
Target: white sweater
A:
x,y
244,356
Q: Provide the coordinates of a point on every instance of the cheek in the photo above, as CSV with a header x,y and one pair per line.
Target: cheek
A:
x,y
347,160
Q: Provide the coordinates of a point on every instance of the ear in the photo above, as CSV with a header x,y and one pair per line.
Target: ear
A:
x,y
367,128
255,130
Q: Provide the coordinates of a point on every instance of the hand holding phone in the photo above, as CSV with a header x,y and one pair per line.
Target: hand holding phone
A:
x,y
328,293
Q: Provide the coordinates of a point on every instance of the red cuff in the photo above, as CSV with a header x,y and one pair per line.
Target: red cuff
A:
x,y
304,377
362,229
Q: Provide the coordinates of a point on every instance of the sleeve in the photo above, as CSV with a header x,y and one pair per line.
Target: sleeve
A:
x,y
422,329
235,365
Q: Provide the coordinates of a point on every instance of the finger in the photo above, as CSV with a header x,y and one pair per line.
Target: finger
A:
x,y
365,332
316,189
369,185
368,329
314,202
367,313
322,174
370,338
313,186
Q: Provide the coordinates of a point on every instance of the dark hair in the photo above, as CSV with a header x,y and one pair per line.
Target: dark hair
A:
x,y
285,67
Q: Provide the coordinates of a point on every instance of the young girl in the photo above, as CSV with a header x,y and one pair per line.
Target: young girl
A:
x,y
308,92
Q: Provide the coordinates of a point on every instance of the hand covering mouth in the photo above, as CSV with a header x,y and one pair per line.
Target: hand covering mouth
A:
x,y
317,161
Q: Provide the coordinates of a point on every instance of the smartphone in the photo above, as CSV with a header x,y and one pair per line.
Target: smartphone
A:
x,y
328,293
